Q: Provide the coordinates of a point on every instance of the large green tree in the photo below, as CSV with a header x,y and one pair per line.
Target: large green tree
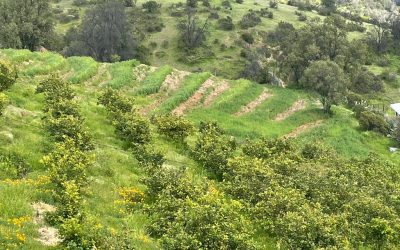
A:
x,y
104,34
327,79
25,24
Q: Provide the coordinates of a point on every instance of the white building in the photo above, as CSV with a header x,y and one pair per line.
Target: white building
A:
x,y
396,108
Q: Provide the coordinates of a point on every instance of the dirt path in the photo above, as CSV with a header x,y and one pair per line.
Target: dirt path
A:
x,y
250,107
140,72
171,83
48,236
195,99
100,78
303,128
224,86
297,106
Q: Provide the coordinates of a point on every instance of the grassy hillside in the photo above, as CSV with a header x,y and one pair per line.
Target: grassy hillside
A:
x,y
242,108
222,55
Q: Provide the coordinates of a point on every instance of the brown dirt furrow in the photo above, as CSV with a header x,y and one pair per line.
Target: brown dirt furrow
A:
x,y
171,83
303,128
48,236
140,72
250,107
195,99
224,86
297,106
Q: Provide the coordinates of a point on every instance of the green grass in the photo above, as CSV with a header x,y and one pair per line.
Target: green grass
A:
x,y
121,74
152,83
83,68
116,167
189,86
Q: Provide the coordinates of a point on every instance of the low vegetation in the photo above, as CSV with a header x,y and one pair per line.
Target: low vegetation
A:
x,y
127,134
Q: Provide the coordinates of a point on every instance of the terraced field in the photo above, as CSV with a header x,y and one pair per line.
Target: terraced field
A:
x,y
244,109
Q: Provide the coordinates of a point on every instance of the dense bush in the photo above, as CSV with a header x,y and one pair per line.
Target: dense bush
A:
x,y
3,102
151,6
115,102
373,121
133,129
251,19
176,128
8,75
363,81
226,23
13,166
213,148
312,198
69,127
248,38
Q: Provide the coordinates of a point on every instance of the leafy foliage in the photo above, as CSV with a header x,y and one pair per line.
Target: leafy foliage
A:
x,y
3,102
26,24
213,148
328,79
8,75
176,128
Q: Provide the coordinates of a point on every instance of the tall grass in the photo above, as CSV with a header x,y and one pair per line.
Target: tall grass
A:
x,y
84,68
152,83
47,63
121,74
190,85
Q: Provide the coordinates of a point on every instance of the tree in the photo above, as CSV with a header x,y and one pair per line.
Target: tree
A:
x,y
327,79
26,24
330,5
3,102
151,6
192,34
104,34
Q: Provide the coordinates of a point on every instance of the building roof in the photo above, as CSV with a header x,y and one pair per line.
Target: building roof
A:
x,y
396,107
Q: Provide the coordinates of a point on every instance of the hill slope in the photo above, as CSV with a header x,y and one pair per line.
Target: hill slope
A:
x,y
242,108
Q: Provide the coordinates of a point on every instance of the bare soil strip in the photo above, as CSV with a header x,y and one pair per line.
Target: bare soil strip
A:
x,y
297,106
250,107
195,99
140,72
48,236
224,86
303,128
171,83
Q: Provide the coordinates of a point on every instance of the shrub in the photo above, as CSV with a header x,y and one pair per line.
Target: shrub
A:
x,y
8,75
13,166
176,128
55,90
133,129
366,82
226,4
67,164
248,38
251,19
372,121
389,76
148,157
226,23
213,148
213,15
266,148
131,197
3,102
151,6
68,127
273,4
115,102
